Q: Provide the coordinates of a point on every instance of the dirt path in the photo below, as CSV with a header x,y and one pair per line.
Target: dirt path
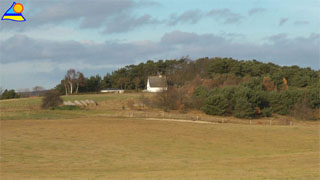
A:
x,y
179,120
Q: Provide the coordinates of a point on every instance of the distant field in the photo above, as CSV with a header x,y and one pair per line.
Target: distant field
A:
x,y
87,144
29,108
114,105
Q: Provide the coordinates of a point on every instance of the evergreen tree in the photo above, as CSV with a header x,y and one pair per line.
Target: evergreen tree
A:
x,y
216,105
243,108
9,94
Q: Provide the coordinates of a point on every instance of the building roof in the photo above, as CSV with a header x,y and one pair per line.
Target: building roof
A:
x,y
157,81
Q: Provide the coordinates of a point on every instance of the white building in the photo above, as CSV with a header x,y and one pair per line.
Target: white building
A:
x,y
112,90
157,83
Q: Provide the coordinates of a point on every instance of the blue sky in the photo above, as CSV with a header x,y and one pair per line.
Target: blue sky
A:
x,y
99,36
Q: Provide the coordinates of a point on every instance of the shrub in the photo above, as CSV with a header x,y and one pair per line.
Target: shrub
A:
x,y
200,92
302,110
220,101
51,99
167,100
198,97
267,112
216,105
197,102
284,101
243,108
313,96
144,100
130,104
172,99
268,84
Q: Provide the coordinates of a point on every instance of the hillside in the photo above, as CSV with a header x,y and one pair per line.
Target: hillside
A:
x,y
111,142
219,86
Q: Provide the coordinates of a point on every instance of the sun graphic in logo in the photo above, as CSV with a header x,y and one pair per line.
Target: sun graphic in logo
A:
x,y
18,8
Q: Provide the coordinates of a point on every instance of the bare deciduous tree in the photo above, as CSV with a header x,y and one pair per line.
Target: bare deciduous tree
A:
x,y
80,81
137,81
65,86
23,90
122,82
70,79
73,79
38,88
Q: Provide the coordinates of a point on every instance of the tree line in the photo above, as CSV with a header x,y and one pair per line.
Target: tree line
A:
x,y
132,77
217,86
181,71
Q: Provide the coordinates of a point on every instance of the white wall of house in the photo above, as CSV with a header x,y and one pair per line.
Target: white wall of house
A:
x,y
155,89
112,91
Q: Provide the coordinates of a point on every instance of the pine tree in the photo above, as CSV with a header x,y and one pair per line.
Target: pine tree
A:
x,y
216,105
243,108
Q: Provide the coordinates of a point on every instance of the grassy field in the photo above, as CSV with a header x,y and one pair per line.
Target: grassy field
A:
x,y
29,108
88,144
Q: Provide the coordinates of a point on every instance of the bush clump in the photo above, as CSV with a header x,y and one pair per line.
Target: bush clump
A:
x,y
267,112
51,99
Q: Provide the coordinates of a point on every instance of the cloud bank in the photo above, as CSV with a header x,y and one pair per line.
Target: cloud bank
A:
x,y
46,57
113,16
87,37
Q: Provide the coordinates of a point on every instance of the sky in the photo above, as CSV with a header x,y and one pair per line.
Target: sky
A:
x,y
100,36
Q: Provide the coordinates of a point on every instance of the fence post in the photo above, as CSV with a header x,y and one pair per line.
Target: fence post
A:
x,y
250,122
197,118
270,121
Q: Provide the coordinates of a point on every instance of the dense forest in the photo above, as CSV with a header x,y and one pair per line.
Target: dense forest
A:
x,y
217,86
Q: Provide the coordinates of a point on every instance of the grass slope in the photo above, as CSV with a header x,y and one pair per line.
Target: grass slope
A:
x,y
29,108
140,149
86,144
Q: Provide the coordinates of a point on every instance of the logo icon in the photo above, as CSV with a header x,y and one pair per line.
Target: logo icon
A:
x,y
14,13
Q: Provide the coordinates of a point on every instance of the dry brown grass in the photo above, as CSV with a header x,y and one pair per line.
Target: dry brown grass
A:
x,y
111,105
106,142
115,148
